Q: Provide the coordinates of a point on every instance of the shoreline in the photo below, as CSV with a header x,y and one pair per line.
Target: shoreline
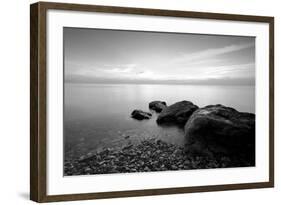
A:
x,y
149,155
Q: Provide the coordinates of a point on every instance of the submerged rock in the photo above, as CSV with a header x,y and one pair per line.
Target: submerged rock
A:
x,y
157,106
216,129
177,113
140,115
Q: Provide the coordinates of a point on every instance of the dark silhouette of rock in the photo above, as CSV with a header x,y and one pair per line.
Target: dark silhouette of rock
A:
x,y
157,106
216,129
140,115
177,113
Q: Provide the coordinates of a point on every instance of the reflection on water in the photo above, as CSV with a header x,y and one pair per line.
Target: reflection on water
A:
x,y
98,115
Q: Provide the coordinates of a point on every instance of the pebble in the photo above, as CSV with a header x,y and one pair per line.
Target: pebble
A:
x,y
148,155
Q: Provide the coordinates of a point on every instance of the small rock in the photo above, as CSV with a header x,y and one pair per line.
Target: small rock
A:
x,y
127,147
140,115
174,167
177,113
157,106
87,169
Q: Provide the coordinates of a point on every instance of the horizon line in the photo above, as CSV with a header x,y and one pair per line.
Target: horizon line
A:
x,y
150,83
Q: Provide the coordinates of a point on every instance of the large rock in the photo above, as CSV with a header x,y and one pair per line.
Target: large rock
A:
x,y
177,113
157,106
216,129
140,115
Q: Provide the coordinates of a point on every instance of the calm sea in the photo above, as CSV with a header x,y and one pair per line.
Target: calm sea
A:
x,y
98,115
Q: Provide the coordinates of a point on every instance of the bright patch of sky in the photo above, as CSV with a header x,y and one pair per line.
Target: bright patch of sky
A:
x,y
111,56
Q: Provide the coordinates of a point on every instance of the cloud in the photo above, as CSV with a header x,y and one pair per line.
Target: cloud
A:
x,y
117,70
192,74
209,53
240,70
201,66
206,72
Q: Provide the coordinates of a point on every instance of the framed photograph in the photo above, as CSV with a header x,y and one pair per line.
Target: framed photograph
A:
x,y
135,102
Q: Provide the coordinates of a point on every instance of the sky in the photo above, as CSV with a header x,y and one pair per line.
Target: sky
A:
x,y
115,56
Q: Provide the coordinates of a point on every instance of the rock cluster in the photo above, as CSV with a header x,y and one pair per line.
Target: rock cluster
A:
x,y
149,155
211,130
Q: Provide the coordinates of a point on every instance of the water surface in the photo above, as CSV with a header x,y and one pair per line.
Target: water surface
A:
x,y
98,115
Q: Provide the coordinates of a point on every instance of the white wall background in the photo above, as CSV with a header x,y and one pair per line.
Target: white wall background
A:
x,y
14,102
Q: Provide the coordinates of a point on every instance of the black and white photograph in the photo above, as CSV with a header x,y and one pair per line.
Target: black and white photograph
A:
x,y
146,101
